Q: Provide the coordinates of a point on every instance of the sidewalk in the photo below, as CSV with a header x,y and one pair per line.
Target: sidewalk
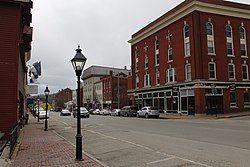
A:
x,y
45,148
203,116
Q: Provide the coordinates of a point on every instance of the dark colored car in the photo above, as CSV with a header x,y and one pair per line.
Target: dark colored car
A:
x,y
128,111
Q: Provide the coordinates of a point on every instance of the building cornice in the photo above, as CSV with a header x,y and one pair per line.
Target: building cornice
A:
x,y
185,10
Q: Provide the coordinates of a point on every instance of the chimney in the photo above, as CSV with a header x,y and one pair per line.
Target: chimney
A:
x,y
125,67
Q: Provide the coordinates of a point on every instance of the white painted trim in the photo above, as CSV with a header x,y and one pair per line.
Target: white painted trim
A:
x,y
189,8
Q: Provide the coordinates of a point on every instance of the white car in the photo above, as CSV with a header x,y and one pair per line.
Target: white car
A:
x,y
96,112
42,114
84,113
148,112
105,112
115,112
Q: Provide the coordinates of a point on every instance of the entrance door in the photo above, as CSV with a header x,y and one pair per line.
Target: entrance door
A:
x,y
214,104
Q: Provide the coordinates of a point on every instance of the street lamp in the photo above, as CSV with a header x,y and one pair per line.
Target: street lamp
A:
x,y
38,99
46,92
78,63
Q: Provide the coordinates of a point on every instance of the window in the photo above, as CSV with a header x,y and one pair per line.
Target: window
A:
x,y
157,54
212,70
146,80
146,62
157,77
170,54
245,72
242,33
186,31
229,31
209,28
188,72
233,99
210,46
243,43
229,35
136,59
137,81
172,75
231,71
229,48
186,41
246,99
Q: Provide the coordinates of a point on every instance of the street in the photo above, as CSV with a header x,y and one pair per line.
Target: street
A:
x,y
126,141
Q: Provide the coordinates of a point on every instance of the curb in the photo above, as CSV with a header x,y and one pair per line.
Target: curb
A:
x,y
87,154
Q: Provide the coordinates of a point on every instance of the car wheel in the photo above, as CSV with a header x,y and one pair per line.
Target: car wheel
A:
x,y
138,116
146,115
74,116
157,116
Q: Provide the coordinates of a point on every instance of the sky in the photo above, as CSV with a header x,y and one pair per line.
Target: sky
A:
x,y
102,28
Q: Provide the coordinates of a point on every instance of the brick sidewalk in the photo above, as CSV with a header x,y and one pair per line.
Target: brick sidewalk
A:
x,y
45,148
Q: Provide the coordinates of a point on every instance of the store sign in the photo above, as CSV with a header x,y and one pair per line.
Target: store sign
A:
x,y
32,89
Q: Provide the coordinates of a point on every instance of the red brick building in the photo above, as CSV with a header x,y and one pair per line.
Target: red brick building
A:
x,y
115,90
194,59
15,39
62,96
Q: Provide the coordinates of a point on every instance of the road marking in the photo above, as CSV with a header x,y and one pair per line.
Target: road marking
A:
x,y
132,143
161,160
147,148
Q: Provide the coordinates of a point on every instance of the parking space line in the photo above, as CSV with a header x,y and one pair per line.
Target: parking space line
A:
x,y
161,160
147,148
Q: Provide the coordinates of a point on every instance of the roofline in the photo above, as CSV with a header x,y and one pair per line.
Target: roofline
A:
x,y
188,6
106,67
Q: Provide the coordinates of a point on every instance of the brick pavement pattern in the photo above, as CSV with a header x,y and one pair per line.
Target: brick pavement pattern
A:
x,y
45,148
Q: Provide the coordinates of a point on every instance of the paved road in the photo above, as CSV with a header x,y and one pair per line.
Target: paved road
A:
x,y
128,142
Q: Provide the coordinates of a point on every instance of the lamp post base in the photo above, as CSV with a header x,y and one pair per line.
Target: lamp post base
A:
x,y
46,125
78,147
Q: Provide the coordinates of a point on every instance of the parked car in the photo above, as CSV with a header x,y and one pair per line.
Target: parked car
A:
x,y
84,113
42,114
91,111
65,112
105,112
148,111
128,111
115,112
96,111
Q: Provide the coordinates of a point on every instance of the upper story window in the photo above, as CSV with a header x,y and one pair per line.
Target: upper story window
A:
x,y
210,38
229,35
245,72
136,59
188,71
157,52
170,54
137,81
157,77
231,71
171,75
243,42
209,28
186,31
146,62
146,80
186,40
212,70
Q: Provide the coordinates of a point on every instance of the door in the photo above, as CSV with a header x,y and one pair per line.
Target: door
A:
x,y
214,104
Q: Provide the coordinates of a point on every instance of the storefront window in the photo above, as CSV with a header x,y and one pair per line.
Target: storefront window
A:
x,y
233,99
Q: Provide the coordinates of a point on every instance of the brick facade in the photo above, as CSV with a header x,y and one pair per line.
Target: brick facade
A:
x,y
63,96
14,53
201,93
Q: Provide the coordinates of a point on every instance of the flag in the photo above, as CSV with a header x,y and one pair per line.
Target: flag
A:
x,y
34,72
37,66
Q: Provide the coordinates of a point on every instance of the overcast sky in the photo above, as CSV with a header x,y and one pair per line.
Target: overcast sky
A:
x,y
101,27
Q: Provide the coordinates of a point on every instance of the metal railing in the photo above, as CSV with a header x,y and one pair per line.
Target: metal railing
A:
x,y
13,138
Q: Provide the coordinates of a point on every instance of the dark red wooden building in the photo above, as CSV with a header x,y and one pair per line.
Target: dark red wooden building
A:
x,y
15,39
194,59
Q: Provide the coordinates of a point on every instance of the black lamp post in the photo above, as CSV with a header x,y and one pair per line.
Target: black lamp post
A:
x,y
38,99
78,63
46,92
